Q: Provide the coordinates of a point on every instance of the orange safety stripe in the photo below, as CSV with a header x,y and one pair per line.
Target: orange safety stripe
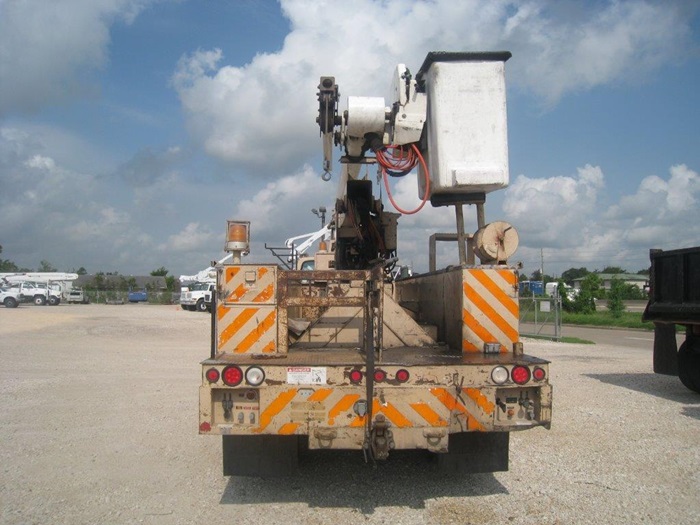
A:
x,y
261,271
468,346
232,329
341,406
476,327
392,414
221,311
488,310
257,332
288,429
265,294
508,276
427,413
275,407
451,403
269,348
231,272
480,399
498,293
237,293
320,394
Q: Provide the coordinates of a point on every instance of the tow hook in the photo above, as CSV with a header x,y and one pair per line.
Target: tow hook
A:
x,y
381,438
325,437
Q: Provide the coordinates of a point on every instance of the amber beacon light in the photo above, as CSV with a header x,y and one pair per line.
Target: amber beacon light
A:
x,y
237,238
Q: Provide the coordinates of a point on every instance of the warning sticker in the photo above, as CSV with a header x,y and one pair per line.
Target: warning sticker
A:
x,y
306,375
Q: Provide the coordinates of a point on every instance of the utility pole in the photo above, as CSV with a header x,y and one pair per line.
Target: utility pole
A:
x,y
542,265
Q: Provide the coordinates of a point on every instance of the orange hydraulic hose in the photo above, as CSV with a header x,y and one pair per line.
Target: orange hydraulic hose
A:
x,y
426,194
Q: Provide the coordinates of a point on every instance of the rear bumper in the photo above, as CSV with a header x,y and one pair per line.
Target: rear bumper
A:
x,y
436,401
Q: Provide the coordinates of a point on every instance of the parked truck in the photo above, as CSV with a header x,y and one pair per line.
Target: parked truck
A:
x,y
197,296
674,299
37,293
346,357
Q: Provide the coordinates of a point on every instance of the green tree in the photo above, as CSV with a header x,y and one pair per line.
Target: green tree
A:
x,y
613,270
566,302
46,266
615,304
160,272
584,302
6,265
569,275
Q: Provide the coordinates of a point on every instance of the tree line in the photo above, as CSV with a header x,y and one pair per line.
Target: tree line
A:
x,y
102,281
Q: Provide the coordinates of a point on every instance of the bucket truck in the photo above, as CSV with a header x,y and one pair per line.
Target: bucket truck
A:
x,y
346,357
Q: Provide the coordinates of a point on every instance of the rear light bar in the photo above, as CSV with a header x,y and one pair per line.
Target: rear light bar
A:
x,y
519,374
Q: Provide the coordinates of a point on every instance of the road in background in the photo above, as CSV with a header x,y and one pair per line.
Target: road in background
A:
x,y
642,340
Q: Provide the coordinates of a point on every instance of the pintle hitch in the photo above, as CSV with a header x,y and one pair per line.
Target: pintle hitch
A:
x,y
381,438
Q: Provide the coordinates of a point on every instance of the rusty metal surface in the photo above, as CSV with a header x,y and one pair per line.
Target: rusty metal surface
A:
x,y
408,356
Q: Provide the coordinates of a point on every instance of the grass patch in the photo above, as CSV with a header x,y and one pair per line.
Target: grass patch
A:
x,y
606,319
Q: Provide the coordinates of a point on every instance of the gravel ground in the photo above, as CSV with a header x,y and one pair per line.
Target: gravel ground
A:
x,y
99,425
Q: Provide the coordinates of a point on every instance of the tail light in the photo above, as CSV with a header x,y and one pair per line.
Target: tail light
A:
x,y
402,375
520,374
232,375
212,375
379,376
538,374
355,375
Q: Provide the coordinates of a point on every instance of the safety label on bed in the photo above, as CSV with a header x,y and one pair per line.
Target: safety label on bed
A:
x,y
306,375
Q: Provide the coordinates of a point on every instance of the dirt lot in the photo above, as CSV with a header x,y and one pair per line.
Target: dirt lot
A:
x,y
99,425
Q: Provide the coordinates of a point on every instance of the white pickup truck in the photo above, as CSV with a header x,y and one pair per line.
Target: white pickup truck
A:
x,y
9,298
197,296
37,293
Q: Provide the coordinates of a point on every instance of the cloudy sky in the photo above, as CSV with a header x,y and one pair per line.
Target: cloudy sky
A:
x,y
130,130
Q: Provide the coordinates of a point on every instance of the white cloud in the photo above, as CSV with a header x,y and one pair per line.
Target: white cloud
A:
x,y
261,114
570,219
48,49
549,209
195,237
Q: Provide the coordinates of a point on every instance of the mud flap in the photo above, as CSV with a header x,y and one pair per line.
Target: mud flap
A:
x,y
665,349
476,452
260,456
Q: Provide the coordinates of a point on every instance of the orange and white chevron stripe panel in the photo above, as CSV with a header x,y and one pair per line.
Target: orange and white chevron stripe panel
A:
x,y
288,412
247,329
248,284
246,309
490,311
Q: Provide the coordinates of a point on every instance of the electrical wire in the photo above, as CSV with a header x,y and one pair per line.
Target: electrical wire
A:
x,y
399,167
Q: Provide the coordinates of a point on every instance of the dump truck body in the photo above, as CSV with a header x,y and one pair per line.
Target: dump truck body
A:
x,y
674,299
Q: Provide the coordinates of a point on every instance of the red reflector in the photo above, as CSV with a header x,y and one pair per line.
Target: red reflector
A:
x,y
520,374
232,375
355,376
379,375
212,375
402,375
205,427
538,374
